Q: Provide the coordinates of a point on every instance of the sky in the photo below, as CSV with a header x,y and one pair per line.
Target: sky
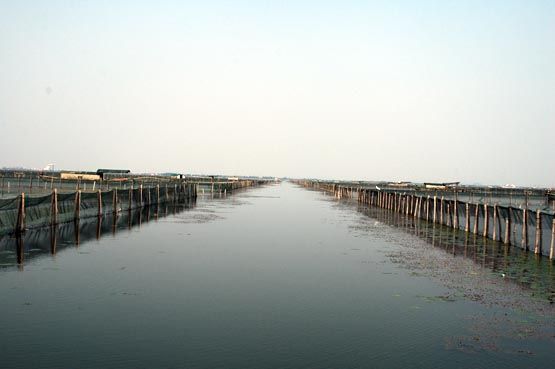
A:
x,y
368,90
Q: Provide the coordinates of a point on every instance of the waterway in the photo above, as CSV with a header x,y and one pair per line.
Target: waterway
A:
x,y
271,277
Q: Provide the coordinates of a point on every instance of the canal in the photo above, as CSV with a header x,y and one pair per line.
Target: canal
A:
x,y
273,277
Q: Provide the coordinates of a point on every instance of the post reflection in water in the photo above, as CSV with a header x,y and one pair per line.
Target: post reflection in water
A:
x,y
20,252
53,238
98,226
510,262
16,250
77,231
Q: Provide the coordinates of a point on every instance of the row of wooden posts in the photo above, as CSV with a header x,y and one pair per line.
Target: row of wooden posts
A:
x,y
433,209
164,198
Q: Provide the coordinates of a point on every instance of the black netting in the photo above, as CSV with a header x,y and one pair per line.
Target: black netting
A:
x,y
38,210
8,214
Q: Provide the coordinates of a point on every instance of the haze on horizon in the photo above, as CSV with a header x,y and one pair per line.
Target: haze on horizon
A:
x,y
393,90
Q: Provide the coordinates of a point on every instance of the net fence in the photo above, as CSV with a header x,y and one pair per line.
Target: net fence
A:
x,y
35,210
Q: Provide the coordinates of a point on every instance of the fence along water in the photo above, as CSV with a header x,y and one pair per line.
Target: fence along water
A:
x,y
29,211
43,206
519,227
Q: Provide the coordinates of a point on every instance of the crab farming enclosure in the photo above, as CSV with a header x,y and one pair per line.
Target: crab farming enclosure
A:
x,y
267,274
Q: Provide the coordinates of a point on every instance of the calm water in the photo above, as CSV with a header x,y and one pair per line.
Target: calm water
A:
x,y
273,277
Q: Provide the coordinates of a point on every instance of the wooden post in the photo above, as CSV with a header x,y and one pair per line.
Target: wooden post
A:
x,y
115,201
486,220
507,239
455,214
495,224
441,211
77,211
54,207
417,207
20,225
524,241
552,248
428,208
435,209
148,197
141,195
99,202
538,240
130,199
157,193
466,217
476,218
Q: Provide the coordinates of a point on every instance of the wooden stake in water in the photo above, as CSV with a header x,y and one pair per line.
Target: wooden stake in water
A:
x,y
20,225
524,242
54,207
476,218
495,222
467,217
77,210
441,211
507,239
552,248
486,220
115,201
99,202
538,240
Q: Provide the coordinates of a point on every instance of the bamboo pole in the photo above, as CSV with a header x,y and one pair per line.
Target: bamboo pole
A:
x,y
476,218
507,239
115,201
495,222
428,208
455,214
77,211
441,211
448,221
54,207
20,225
524,242
418,206
466,217
99,202
486,220
538,240
552,248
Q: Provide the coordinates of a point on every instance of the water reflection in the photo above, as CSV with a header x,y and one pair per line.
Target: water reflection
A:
x,y
511,263
38,242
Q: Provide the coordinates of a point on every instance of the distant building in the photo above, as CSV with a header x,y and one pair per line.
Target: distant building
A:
x,y
113,173
441,186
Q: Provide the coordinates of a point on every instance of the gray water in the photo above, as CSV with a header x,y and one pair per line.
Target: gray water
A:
x,y
272,277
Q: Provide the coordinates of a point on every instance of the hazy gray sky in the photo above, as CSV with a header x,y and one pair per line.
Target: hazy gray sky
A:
x,y
415,90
